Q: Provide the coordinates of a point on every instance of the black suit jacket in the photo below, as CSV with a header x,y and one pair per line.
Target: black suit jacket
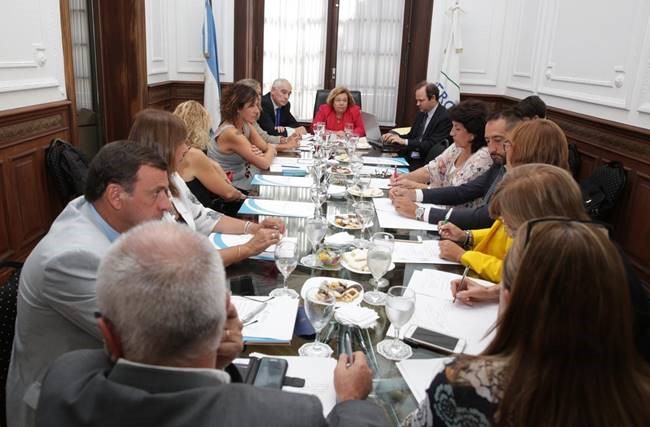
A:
x,y
436,134
267,116
83,388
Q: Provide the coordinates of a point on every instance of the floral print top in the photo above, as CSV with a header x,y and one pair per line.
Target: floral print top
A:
x,y
471,399
444,173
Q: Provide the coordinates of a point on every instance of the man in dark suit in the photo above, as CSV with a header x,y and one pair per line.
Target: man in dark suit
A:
x,y
165,311
276,117
429,135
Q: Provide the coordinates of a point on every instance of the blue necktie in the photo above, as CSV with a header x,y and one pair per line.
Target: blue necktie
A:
x,y
277,117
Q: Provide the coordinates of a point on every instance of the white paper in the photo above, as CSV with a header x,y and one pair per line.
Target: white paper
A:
x,y
275,323
292,161
418,374
277,208
389,161
382,183
247,308
318,373
376,170
389,218
427,252
282,181
435,310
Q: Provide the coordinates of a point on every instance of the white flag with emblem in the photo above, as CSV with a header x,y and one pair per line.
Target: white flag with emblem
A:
x,y
449,80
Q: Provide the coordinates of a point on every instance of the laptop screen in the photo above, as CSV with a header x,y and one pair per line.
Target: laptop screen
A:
x,y
372,127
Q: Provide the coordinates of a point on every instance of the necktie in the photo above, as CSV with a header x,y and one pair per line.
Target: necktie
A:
x,y
277,117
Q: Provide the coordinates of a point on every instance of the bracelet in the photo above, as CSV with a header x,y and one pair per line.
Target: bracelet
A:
x,y
468,239
247,225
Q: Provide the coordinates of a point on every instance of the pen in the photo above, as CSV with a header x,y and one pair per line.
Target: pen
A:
x,y
460,285
448,216
395,171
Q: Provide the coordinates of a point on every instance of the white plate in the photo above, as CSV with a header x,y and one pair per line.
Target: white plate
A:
x,y
314,282
342,170
347,266
331,221
368,192
343,158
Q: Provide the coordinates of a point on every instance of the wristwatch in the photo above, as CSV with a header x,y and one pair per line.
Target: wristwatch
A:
x,y
419,213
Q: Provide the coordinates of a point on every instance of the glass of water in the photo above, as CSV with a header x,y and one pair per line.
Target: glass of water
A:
x,y
400,305
318,194
387,240
380,257
319,308
315,229
365,212
286,260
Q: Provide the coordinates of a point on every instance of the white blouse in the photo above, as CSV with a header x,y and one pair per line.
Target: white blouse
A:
x,y
194,214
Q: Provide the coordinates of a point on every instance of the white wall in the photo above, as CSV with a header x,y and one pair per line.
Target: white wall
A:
x,y
31,53
175,39
588,56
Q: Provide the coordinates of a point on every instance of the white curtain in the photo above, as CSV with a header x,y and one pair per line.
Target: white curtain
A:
x,y
81,54
294,49
369,53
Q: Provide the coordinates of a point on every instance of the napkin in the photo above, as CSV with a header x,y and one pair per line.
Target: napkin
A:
x,y
339,239
357,259
362,317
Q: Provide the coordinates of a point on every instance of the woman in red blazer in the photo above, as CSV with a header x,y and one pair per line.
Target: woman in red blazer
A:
x,y
339,110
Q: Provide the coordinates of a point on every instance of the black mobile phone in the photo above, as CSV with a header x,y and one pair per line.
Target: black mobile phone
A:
x,y
242,285
270,373
434,340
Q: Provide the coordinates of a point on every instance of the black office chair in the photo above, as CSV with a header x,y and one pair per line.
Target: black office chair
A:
x,y
8,300
321,98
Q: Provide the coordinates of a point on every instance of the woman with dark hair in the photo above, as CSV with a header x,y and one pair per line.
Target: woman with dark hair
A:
x,y
238,148
464,160
563,353
166,133
340,110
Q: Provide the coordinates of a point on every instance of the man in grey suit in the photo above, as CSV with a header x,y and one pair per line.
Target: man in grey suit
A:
x,y
163,301
127,184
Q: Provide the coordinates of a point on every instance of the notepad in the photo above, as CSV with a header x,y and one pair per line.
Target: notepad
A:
x,y
389,218
426,252
282,181
274,324
418,374
277,208
390,161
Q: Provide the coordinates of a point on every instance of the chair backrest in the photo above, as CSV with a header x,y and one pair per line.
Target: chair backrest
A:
x,y
321,98
8,301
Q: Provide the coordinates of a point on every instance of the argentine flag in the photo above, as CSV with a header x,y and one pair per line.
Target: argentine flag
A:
x,y
212,89
449,80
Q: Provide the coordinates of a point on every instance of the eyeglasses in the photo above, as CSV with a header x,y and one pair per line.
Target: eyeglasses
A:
x,y
531,224
507,144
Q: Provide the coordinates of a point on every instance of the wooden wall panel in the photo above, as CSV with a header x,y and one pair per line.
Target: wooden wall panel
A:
x,y
167,95
28,201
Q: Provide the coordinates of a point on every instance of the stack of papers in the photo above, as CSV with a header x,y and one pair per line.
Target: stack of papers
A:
x,y
424,252
355,315
435,310
223,241
272,325
282,181
389,218
418,374
318,373
386,161
248,307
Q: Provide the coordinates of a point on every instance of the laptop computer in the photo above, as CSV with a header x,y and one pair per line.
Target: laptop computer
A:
x,y
373,134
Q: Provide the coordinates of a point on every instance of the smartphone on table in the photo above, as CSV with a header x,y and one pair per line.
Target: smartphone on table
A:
x,y
434,340
270,373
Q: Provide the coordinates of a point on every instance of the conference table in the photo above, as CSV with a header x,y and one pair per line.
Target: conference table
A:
x,y
390,391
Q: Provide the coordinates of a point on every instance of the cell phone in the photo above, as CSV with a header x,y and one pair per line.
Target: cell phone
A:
x,y
270,373
242,285
434,340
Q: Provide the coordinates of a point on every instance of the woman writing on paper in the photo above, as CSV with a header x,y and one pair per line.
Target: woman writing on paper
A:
x,y
461,162
563,353
166,133
238,148
338,111
205,177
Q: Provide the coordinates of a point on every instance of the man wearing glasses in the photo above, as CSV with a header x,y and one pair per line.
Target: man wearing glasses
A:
x,y
498,126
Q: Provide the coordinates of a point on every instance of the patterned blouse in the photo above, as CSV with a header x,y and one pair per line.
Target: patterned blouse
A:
x,y
444,173
471,399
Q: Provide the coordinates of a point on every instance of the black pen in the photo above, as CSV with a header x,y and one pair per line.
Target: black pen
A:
x,y
462,280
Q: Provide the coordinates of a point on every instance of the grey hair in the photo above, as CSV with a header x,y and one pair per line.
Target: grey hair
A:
x,y
162,286
252,83
278,82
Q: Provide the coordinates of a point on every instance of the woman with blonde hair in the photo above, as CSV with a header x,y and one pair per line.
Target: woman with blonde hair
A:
x,y
538,141
166,133
339,110
238,148
205,177
563,353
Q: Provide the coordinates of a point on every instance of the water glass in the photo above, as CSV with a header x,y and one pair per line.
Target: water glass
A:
x,y
365,211
286,260
315,229
400,305
387,240
348,129
318,194
319,308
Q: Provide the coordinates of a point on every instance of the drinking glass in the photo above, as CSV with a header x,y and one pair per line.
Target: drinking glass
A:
x,y
351,145
318,193
315,229
319,128
286,260
400,305
347,129
379,259
319,308
363,183
365,212
382,239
